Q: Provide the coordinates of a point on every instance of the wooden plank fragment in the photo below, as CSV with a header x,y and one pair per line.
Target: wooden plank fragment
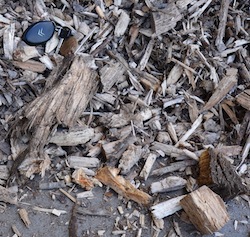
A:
x,y
122,24
79,162
173,167
206,210
146,55
167,208
73,137
168,184
30,65
109,176
224,86
148,166
129,158
7,196
166,19
110,74
222,25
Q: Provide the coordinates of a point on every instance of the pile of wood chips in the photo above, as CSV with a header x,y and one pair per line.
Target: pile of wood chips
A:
x,y
147,97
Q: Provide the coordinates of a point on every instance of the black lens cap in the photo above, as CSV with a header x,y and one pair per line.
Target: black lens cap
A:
x,y
39,33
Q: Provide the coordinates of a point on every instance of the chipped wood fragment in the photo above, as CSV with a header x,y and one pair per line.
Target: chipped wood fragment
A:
x,y
168,184
80,162
206,210
109,176
224,86
167,208
6,195
122,24
148,166
24,216
244,99
129,158
73,137
166,19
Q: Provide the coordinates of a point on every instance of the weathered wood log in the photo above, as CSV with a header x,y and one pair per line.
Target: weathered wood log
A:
x,y
206,210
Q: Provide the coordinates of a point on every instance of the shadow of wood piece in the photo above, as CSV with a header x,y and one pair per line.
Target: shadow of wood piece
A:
x,y
66,96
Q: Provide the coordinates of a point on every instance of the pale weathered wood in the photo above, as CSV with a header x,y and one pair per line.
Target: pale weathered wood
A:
x,y
80,162
244,99
224,86
6,195
73,137
173,167
129,158
166,19
122,24
148,165
206,210
167,208
168,184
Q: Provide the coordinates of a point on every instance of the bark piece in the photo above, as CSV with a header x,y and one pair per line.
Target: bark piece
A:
x,y
216,170
206,210
224,86
109,176
129,158
82,179
167,208
30,65
168,184
166,19
73,137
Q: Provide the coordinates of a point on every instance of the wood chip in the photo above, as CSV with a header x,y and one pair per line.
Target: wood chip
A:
x,y
24,216
109,176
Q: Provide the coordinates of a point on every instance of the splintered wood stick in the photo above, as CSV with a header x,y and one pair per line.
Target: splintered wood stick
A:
x,y
222,25
109,176
224,86
167,208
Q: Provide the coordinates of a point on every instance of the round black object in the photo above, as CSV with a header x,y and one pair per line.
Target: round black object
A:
x,y
39,33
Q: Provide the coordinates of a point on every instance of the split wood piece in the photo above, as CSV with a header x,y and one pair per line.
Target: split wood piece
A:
x,y
6,195
148,166
175,74
244,99
30,65
206,210
9,41
114,150
66,97
168,184
166,19
111,74
146,55
25,217
73,137
129,158
167,208
194,126
222,25
224,86
53,211
217,171
174,167
109,176
80,162
4,172
122,24
82,179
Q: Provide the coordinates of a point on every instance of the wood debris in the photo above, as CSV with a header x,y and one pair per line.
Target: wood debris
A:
x,y
206,210
109,176
24,216
142,95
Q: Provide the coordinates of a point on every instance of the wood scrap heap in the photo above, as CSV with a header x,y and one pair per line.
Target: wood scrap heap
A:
x,y
148,98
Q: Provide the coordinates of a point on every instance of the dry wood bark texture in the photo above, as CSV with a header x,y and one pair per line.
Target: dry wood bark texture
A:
x,y
145,97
